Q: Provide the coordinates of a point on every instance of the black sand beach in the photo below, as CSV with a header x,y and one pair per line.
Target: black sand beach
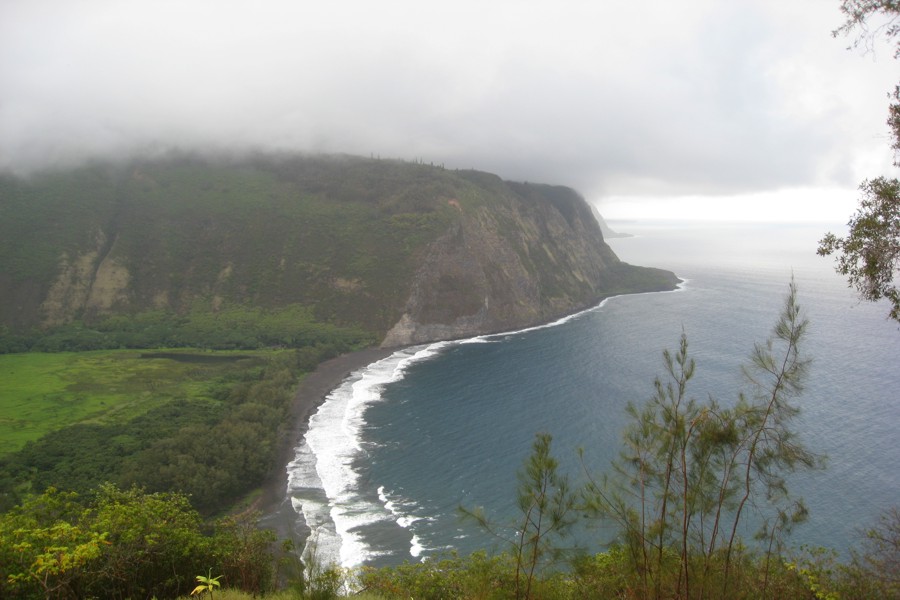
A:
x,y
276,509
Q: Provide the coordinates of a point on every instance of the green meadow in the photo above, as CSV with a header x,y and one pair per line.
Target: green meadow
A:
x,y
42,392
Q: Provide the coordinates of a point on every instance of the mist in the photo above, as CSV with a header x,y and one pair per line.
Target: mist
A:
x,y
615,99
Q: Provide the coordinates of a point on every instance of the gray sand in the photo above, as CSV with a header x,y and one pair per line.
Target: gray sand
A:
x,y
276,509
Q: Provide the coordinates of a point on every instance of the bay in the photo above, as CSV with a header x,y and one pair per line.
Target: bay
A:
x,y
415,436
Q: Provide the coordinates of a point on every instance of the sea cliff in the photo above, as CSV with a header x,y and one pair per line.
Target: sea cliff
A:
x,y
406,251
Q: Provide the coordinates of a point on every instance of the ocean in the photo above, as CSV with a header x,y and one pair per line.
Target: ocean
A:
x,y
396,450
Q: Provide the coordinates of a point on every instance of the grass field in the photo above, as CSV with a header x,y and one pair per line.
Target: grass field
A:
x,y
41,392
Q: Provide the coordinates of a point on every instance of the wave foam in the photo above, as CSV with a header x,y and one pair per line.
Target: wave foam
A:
x,y
325,463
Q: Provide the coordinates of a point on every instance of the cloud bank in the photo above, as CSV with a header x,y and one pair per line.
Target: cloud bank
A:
x,y
613,98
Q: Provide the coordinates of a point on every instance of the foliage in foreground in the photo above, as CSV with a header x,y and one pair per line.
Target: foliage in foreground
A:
x,y
688,480
692,475
547,507
869,256
124,544
872,574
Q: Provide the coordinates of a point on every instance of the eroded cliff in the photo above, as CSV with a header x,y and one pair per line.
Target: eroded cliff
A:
x,y
411,252
531,254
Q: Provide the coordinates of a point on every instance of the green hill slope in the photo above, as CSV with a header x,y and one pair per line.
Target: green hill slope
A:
x,y
403,251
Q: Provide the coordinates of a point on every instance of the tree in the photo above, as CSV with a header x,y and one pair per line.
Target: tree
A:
x,y
690,472
243,552
870,254
155,543
878,565
44,550
861,16
873,572
647,495
547,508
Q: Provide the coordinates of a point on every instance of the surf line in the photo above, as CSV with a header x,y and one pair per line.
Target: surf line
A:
x,y
323,485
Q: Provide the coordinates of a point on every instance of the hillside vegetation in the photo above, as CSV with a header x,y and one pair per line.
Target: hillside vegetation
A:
x,y
369,245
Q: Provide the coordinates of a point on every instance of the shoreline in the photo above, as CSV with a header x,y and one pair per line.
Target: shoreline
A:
x,y
277,513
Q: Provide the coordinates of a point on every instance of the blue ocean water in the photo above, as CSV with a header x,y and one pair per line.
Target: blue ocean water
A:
x,y
401,445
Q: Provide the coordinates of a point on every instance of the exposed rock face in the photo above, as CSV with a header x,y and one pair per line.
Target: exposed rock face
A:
x,y
70,290
93,282
536,256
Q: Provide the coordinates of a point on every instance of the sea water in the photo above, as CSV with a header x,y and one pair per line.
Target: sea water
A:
x,y
392,454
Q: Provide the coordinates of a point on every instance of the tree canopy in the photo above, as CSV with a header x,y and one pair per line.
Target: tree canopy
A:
x,y
869,256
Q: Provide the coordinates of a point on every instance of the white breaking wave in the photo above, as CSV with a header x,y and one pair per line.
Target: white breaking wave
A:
x,y
403,511
562,320
308,500
322,482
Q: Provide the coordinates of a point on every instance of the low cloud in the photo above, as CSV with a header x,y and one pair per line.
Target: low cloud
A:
x,y
697,97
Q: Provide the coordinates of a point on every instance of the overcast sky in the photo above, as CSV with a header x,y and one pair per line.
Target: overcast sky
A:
x,y
746,108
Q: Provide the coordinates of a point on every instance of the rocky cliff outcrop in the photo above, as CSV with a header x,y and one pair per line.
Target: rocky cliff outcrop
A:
x,y
533,254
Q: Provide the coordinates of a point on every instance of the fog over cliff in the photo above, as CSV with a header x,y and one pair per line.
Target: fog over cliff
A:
x,y
613,98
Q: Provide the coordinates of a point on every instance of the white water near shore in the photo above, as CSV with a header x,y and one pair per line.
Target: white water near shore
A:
x,y
323,484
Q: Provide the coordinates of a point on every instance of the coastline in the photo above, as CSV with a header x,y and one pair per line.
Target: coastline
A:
x,y
277,512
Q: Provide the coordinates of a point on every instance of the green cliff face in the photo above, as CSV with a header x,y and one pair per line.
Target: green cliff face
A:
x,y
409,252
